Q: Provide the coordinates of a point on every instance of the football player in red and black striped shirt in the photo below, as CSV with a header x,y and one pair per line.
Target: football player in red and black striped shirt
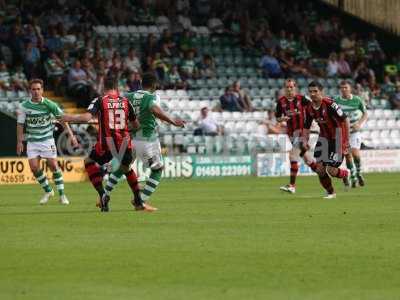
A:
x,y
114,114
333,140
291,109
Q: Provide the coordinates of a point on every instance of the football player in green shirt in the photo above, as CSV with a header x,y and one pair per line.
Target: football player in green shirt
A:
x,y
145,138
37,116
354,108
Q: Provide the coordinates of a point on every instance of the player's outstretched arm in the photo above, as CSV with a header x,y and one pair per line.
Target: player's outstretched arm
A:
x,y
160,114
20,138
85,117
66,126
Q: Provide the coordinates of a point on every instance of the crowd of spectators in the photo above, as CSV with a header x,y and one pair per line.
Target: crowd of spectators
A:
x,y
55,40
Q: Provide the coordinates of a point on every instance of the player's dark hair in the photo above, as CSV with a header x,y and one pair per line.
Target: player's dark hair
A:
x,y
316,84
290,80
148,80
35,81
345,82
110,82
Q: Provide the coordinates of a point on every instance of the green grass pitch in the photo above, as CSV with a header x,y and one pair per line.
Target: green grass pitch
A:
x,y
224,238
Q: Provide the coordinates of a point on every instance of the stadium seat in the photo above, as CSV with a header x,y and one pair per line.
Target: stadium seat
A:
x,y
384,134
251,127
388,113
258,115
229,127
371,124
381,124
218,117
227,115
240,127
391,124
375,134
395,134
178,139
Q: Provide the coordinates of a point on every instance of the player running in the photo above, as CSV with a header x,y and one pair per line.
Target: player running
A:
x,y
354,108
114,113
147,144
333,140
37,115
290,109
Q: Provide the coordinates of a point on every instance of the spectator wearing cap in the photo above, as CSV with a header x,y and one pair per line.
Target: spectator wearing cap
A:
x,y
207,125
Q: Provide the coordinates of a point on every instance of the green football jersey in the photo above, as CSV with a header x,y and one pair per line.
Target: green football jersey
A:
x,y
38,119
142,102
354,108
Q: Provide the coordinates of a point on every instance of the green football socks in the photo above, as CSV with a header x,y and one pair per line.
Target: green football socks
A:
x,y
151,184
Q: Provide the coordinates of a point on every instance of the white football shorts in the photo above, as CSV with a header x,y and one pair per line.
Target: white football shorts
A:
x,y
355,140
149,153
44,149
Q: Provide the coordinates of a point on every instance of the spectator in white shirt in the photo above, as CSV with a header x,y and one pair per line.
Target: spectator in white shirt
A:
x,y
207,125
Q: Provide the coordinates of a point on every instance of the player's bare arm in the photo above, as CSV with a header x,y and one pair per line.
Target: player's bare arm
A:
x,y
66,126
160,114
83,118
20,138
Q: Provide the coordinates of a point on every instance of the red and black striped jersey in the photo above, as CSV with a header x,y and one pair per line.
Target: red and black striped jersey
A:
x,y
330,118
113,113
293,108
